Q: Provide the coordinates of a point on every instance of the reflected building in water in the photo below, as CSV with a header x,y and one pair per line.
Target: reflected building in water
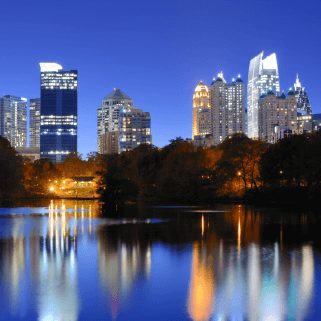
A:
x,y
243,280
57,268
12,262
48,249
123,260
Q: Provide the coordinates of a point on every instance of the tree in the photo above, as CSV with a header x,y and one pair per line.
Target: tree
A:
x,y
240,160
11,174
44,173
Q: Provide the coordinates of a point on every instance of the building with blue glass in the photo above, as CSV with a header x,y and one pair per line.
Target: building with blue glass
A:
x,y
58,120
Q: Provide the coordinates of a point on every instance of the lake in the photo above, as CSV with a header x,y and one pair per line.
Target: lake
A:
x,y
63,260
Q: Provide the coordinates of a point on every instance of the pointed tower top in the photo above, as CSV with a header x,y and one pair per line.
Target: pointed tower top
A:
x,y
297,82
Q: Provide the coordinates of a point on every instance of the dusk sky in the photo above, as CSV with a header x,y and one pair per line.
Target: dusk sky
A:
x,y
155,51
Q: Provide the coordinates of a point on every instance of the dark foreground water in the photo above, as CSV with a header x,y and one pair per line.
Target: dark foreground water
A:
x,y
62,262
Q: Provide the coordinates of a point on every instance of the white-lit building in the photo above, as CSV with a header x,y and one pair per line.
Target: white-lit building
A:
x,y
108,118
34,123
13,120
134,129
218,111
227,106
277,117
304,109
121,126
263,77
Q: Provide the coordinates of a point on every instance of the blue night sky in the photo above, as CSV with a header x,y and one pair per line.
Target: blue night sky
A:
x,y
155,51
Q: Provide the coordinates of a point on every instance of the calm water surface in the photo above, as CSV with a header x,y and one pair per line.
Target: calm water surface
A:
x,y
64,261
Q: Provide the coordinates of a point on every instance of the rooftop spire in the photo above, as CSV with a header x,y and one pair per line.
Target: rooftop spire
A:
x,y
297,82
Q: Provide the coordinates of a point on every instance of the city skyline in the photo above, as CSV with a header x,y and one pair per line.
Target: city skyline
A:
x,y
166,70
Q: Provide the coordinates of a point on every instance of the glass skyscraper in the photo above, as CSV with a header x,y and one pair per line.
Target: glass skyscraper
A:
x,y
263,78
58,121
13,120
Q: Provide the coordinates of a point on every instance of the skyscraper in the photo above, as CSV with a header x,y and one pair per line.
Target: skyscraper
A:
x,y
304,106
34,123
134,128
263,77
227,106
58,121
277,117
108,118
13,120
201,111
121,127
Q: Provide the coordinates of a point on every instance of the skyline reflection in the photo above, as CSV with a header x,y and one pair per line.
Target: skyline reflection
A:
x,y
256,283
236,264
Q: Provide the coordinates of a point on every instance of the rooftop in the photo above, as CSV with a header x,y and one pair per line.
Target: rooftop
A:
x,y
117,94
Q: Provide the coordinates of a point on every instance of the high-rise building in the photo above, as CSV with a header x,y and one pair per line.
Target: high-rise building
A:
x,y
13,120
201,111
58,121
34,123
263,77
277,116
108,118
121,126
227,107
134,128
304,106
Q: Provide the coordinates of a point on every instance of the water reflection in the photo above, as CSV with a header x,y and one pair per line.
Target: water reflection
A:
x,y
235,264
49,250
253,282
122,260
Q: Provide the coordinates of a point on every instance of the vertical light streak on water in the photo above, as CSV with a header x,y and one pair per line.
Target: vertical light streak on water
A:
x,y
254,282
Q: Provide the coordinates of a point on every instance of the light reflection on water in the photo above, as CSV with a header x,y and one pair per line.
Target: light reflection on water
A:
x,y
160,263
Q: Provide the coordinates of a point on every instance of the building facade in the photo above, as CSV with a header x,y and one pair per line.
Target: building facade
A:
x,y
134,128
59,111
263,77
277,117
121,127
218,111
13,120
202,123
34,123
227,106
303,102
108,119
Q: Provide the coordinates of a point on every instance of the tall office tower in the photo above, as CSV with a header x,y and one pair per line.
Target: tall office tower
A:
x,y
277,117
34,123
134,128
263,77
108,118
304,106
13,120
227,108
201,111
58,121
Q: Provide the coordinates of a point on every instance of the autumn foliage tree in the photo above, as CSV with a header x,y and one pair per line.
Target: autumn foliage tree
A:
x,y
240,160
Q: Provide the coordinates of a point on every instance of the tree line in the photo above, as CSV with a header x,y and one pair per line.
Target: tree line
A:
x,y
238,168
20,177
